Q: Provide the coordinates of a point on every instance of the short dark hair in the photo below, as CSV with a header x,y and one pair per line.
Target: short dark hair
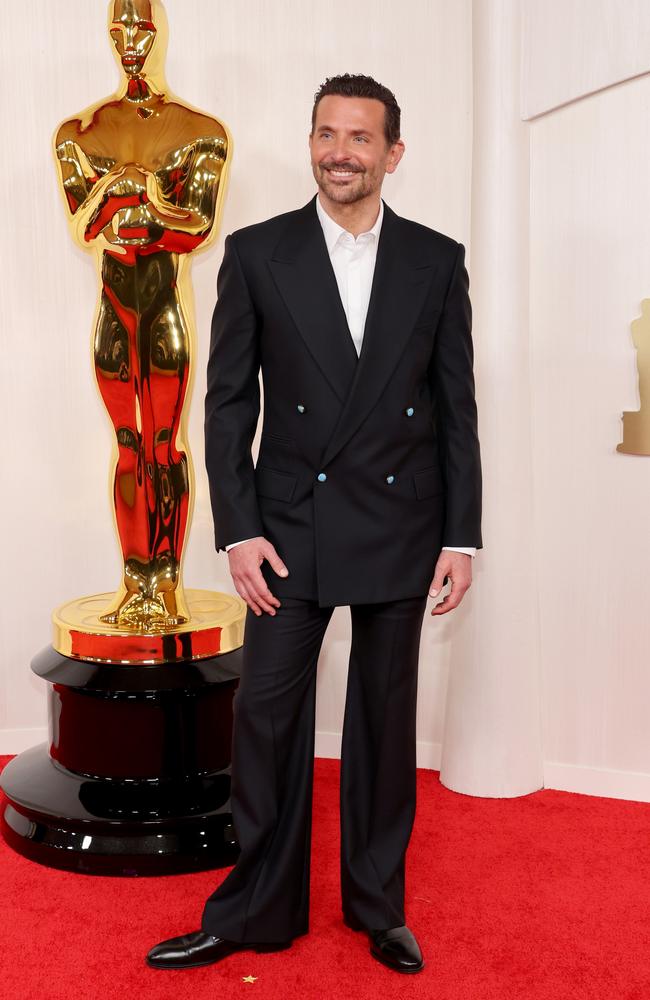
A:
x,y
357,85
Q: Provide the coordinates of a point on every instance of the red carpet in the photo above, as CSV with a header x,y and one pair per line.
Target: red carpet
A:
x,y
535,898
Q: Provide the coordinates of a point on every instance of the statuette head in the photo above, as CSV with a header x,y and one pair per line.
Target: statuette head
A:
x,y
136,27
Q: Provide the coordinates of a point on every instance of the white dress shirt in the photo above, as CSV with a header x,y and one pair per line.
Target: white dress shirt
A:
x,y
353,262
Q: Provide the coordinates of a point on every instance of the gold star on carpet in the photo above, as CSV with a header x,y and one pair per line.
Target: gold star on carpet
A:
x,y
248,979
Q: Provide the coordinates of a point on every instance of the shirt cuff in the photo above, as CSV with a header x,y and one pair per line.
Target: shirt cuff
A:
x,y
232,544
455,548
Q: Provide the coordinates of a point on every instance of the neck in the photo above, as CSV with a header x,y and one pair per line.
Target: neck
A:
x,y
138,90
357,217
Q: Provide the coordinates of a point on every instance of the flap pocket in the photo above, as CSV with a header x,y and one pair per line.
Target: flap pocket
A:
x,y
428,482
273,439
274,484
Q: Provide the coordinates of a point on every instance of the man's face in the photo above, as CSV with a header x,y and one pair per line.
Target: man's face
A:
x,y
133,33
349,153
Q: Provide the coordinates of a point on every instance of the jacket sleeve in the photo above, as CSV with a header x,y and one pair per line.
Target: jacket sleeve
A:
x,y
451,378
232,405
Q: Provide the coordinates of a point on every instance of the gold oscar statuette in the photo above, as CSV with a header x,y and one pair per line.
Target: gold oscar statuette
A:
x,y
636,423
143,178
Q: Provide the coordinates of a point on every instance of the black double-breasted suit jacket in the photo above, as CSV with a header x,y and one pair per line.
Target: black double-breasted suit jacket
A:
x,y
367,465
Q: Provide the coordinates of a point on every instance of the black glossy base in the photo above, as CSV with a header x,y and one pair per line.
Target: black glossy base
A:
x,y
135,779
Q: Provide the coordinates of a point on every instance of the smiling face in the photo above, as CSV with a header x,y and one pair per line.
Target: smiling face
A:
x,y
348,148
133,33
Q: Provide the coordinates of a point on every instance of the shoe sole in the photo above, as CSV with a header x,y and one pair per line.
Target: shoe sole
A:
x,y
259,948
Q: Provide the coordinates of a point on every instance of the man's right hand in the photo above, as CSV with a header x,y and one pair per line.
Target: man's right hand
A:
x,y
245,561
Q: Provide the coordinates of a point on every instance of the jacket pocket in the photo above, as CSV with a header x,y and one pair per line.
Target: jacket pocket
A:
x,y
274,439
274,484
428,482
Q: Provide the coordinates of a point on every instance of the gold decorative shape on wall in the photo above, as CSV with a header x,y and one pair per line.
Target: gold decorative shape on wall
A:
x,y
636,423
143,176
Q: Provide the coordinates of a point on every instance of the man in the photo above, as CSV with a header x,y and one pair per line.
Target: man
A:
x,y
367,493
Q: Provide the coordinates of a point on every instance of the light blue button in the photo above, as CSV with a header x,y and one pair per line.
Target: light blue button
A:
x,y
390,479
321,477
410,411
301,408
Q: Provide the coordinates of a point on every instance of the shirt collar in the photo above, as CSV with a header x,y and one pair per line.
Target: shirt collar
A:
x,y
333,232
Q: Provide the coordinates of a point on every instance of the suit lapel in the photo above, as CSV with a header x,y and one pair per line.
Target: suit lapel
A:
x,y
399,286
304,276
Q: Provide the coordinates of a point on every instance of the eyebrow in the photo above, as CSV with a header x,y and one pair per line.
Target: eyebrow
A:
x,y
354,131
148,25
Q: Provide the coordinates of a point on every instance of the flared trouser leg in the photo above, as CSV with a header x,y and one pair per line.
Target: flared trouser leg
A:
x,y
378,760
265,897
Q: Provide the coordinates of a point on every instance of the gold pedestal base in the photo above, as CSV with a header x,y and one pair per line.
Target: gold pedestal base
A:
x,y
216,626
636,433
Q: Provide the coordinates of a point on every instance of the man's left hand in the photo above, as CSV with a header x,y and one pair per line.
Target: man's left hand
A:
x,y
458,567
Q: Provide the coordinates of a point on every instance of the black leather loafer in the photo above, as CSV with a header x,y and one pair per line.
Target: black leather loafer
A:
x,y
199,948
396,947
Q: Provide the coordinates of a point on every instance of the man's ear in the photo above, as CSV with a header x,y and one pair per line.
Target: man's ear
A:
x,y
396,153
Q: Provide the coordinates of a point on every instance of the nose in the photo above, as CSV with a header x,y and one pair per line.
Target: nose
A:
x,y
340,152
130,31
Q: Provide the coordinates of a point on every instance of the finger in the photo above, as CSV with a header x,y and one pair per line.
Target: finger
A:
x,y
443,607
440,580
261,596
276,564
265,605
257,585
243,593
451,601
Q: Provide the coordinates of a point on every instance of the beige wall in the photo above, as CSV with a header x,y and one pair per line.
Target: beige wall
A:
x,y
590,268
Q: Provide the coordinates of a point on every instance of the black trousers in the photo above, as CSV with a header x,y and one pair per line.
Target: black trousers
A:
x,y
266,895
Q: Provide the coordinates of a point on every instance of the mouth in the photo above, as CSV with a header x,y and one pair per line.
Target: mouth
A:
x,y
132,59
340,174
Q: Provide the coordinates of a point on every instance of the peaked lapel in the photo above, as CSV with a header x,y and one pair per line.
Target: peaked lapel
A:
x,y
304,276
399,286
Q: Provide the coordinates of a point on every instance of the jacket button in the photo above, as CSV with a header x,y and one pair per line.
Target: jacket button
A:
x,y
410,411
300,408
390,479
322,477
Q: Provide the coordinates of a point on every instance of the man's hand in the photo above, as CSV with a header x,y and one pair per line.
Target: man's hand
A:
x,y
458,567
245,561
